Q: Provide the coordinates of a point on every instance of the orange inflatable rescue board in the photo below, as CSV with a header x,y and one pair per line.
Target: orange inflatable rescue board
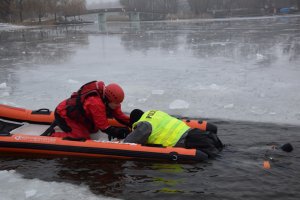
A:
x,y
21,129
40,116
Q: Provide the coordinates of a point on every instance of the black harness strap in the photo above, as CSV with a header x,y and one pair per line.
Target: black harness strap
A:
x,y
50,130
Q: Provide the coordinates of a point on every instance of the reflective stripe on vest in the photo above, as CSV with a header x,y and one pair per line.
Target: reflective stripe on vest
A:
x,y
166,130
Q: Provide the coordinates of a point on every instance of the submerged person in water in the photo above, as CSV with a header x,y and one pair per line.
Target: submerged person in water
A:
x,y
156,127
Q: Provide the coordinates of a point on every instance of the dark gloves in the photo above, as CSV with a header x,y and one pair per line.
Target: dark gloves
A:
x,y
117,132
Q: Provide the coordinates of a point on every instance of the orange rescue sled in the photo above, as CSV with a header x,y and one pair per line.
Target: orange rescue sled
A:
x,y
21,129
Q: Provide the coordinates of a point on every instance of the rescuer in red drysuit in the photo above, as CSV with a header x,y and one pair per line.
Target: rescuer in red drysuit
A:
x,y
86,112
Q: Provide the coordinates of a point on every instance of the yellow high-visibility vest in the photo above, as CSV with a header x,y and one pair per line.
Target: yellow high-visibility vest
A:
x,y
166,130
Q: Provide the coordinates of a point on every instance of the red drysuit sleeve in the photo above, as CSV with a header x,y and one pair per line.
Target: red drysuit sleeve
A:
x,y
95,109
120,116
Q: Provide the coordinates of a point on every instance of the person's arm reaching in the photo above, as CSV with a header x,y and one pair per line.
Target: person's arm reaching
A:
x,y
120,116
140,134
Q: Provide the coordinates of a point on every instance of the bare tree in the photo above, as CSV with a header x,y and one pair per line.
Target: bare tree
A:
x,y
21,10
227,7
199,6
73,7
15,11
77,7
38,8
53,7
5,9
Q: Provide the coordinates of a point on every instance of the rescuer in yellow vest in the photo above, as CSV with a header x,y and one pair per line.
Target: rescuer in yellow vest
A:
x,y
156,127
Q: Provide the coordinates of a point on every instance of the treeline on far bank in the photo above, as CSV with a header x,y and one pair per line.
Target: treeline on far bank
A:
x,y
18,11
211,8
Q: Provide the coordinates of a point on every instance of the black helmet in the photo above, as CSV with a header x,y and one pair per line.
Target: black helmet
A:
x,y
135,115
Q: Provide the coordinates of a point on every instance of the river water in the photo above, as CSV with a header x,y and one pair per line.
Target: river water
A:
x,y
241,74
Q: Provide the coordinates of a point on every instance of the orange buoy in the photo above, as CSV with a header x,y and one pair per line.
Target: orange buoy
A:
x,y
266,165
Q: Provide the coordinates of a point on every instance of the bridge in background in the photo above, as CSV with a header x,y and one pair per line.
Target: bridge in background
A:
x,y
134,14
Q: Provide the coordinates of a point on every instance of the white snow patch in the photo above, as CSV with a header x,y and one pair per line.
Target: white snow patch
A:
x,y
262,95
16,187
214,87
158,92
259,57
72,81
142,100
30,193
7,27
257,110
130,105
179,104
5,94
198,87
3,85
228,106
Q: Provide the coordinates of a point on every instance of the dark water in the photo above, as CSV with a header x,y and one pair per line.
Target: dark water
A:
x,y
237,174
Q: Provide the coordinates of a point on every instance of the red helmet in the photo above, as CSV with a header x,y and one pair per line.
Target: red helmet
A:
x,y
114,93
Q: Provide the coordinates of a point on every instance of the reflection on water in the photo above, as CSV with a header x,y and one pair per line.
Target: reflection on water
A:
x,y
25,50
236,40
231,39
265,41
262,42
40,46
